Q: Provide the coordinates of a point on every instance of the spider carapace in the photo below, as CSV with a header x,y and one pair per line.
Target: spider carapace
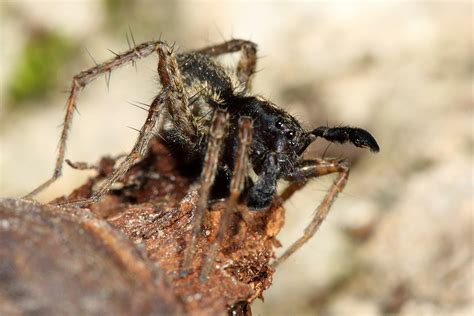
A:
x,y
216,128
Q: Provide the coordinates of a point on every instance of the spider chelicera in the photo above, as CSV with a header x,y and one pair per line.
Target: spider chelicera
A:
x,y
212,124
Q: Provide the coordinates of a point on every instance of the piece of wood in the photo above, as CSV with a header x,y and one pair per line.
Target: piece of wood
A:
x,y
57,261
154,207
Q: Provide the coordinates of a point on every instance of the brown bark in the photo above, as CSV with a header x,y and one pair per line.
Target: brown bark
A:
x,y
154,207
57,261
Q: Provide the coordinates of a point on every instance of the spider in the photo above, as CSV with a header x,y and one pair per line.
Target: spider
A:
x,y
240,144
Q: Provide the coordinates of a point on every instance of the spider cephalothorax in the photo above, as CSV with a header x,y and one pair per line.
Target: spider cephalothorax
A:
x,y
216,128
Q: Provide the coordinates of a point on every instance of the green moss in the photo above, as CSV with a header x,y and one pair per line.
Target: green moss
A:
x,y
37,68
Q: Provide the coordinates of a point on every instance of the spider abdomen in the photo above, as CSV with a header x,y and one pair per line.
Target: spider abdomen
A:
x,y
205,77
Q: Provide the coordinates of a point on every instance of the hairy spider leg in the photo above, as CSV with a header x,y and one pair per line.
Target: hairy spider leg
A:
x,y
291,189
80,165
310,169
245,69
217,132
171,97
139,150
354,135
248,60
236,186
177,101
79,81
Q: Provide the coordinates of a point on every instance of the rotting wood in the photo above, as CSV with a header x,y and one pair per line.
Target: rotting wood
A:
x,y
154,205
56,261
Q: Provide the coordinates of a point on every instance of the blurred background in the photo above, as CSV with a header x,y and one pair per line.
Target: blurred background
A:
x,y
399,240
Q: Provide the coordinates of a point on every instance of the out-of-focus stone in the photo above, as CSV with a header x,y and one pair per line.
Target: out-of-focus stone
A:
x,y
57,261
416,245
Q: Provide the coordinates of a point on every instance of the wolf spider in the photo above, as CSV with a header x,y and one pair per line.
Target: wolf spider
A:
x,y
208,119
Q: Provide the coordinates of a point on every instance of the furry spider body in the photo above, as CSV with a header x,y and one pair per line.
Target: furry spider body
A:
x,y
278,138
216,128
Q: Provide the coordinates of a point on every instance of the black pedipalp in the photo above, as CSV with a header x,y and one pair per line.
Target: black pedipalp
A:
x,y
357,136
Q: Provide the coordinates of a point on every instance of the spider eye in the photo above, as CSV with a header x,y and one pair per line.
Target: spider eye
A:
x,y
279,124
290,134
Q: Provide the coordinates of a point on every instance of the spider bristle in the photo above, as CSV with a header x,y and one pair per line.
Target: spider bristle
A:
x,y
135,129
133,38
134,64
108,75
128,41
326,150
137,106
92,57
116,55
76,109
